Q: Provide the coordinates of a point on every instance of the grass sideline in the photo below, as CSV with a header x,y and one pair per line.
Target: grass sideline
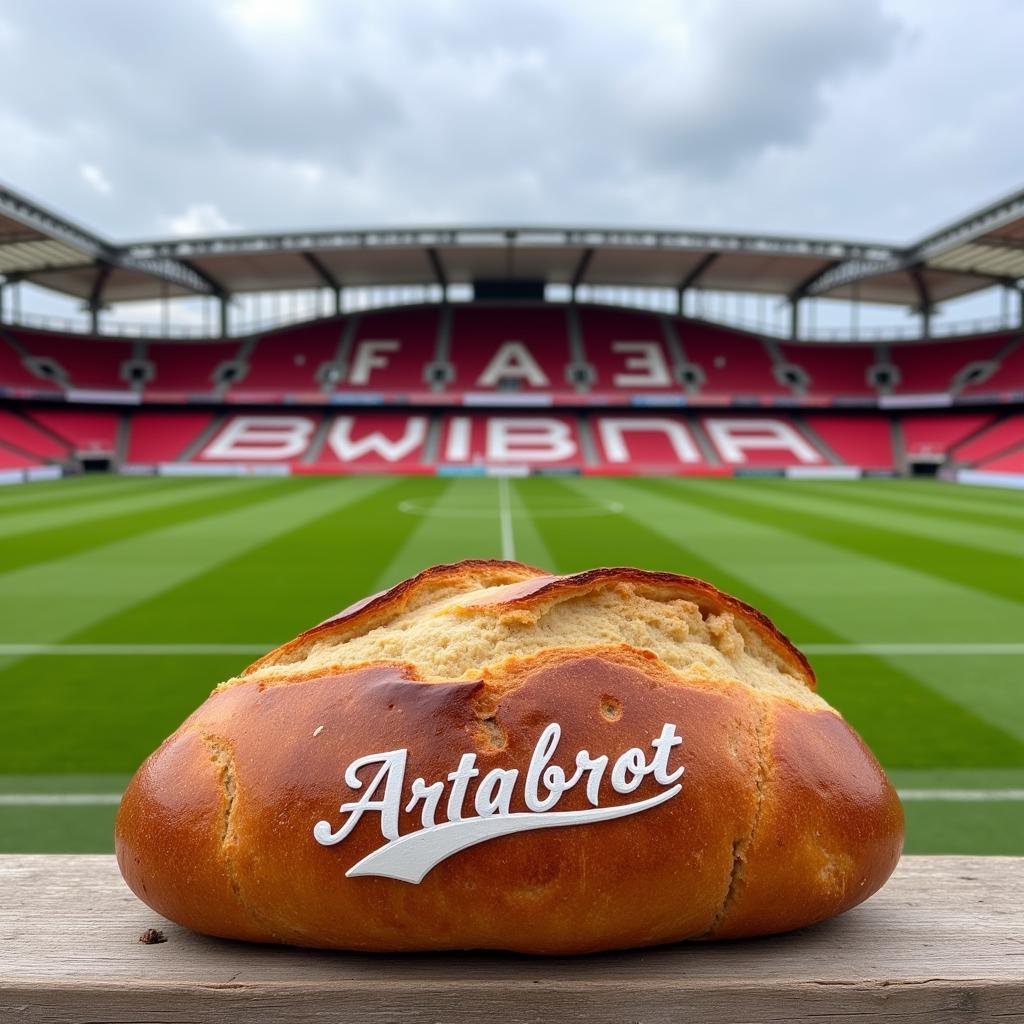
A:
x,y
107,562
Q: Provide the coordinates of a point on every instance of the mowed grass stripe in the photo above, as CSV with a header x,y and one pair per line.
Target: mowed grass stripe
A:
x,y
971,567
1006,500
530,545
19,553
845,502
935,504
78,491
104,714
872,601
878,699
311,561
446,520
58,598
110,507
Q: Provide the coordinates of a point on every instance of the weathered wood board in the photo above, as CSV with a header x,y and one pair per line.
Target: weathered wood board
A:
x,y
943,941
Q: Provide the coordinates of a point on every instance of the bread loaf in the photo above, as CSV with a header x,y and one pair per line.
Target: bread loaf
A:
x,y
490,756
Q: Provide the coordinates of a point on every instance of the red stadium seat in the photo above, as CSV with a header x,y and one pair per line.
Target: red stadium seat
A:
x,y
391,350
13,373
760,441
833,369
931,366
646,443
516,439
1013,462
21,435
187,366
262,438
998,439
864,441
163,436
287,361
521,349
932,434
374,442
732,363
86,430
90,363
627,351
1009,375
15,460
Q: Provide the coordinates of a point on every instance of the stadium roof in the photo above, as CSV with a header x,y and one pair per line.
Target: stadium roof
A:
x,y
983,249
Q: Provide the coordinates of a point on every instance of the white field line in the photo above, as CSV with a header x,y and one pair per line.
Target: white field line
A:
x,y
914,648
112,799
128,650
508,539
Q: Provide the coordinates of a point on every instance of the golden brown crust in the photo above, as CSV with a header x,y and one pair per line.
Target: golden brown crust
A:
x,y
783,817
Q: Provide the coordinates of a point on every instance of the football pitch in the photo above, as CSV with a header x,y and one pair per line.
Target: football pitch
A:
x,y
123,601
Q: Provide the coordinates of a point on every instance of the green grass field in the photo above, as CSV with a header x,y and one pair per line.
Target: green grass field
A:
x,y
123,601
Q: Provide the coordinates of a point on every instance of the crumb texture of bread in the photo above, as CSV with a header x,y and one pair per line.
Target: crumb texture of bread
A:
x,y
462,625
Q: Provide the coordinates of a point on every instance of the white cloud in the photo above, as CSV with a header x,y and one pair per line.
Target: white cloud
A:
x,y
95,178
198,219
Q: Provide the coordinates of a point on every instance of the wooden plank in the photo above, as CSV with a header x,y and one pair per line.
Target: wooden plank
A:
x,y
943,941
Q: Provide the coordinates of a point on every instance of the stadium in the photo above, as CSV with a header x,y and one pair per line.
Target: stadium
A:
x,y
198,490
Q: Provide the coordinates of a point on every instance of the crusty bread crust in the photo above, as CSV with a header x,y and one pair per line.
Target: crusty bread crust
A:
x,y
782,816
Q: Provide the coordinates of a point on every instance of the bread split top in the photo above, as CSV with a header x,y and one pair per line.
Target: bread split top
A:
x,y
480,619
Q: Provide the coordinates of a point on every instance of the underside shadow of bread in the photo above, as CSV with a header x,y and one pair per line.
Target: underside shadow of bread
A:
x,y
489,756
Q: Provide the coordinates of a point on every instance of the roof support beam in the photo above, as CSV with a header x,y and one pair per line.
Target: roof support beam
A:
x,y
214,285
581,269
322,272
801,290
690,280
437,267
327,277
95,303
926,306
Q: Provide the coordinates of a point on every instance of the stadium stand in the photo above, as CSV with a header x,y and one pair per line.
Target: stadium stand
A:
x,y
864,441
626,441
14,375
158,436
933,366
1008,375
371,442
390,351
288,361
833,370
554,350
627,351
21,436
926,434
647,444
81,430
512,349
15,460
997,440
764,405
731,363
85,362
183,368
1012,462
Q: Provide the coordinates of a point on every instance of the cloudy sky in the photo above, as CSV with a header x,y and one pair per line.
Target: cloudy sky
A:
x,y
862,118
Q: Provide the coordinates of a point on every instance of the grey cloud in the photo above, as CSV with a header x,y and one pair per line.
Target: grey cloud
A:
x,y
745,114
